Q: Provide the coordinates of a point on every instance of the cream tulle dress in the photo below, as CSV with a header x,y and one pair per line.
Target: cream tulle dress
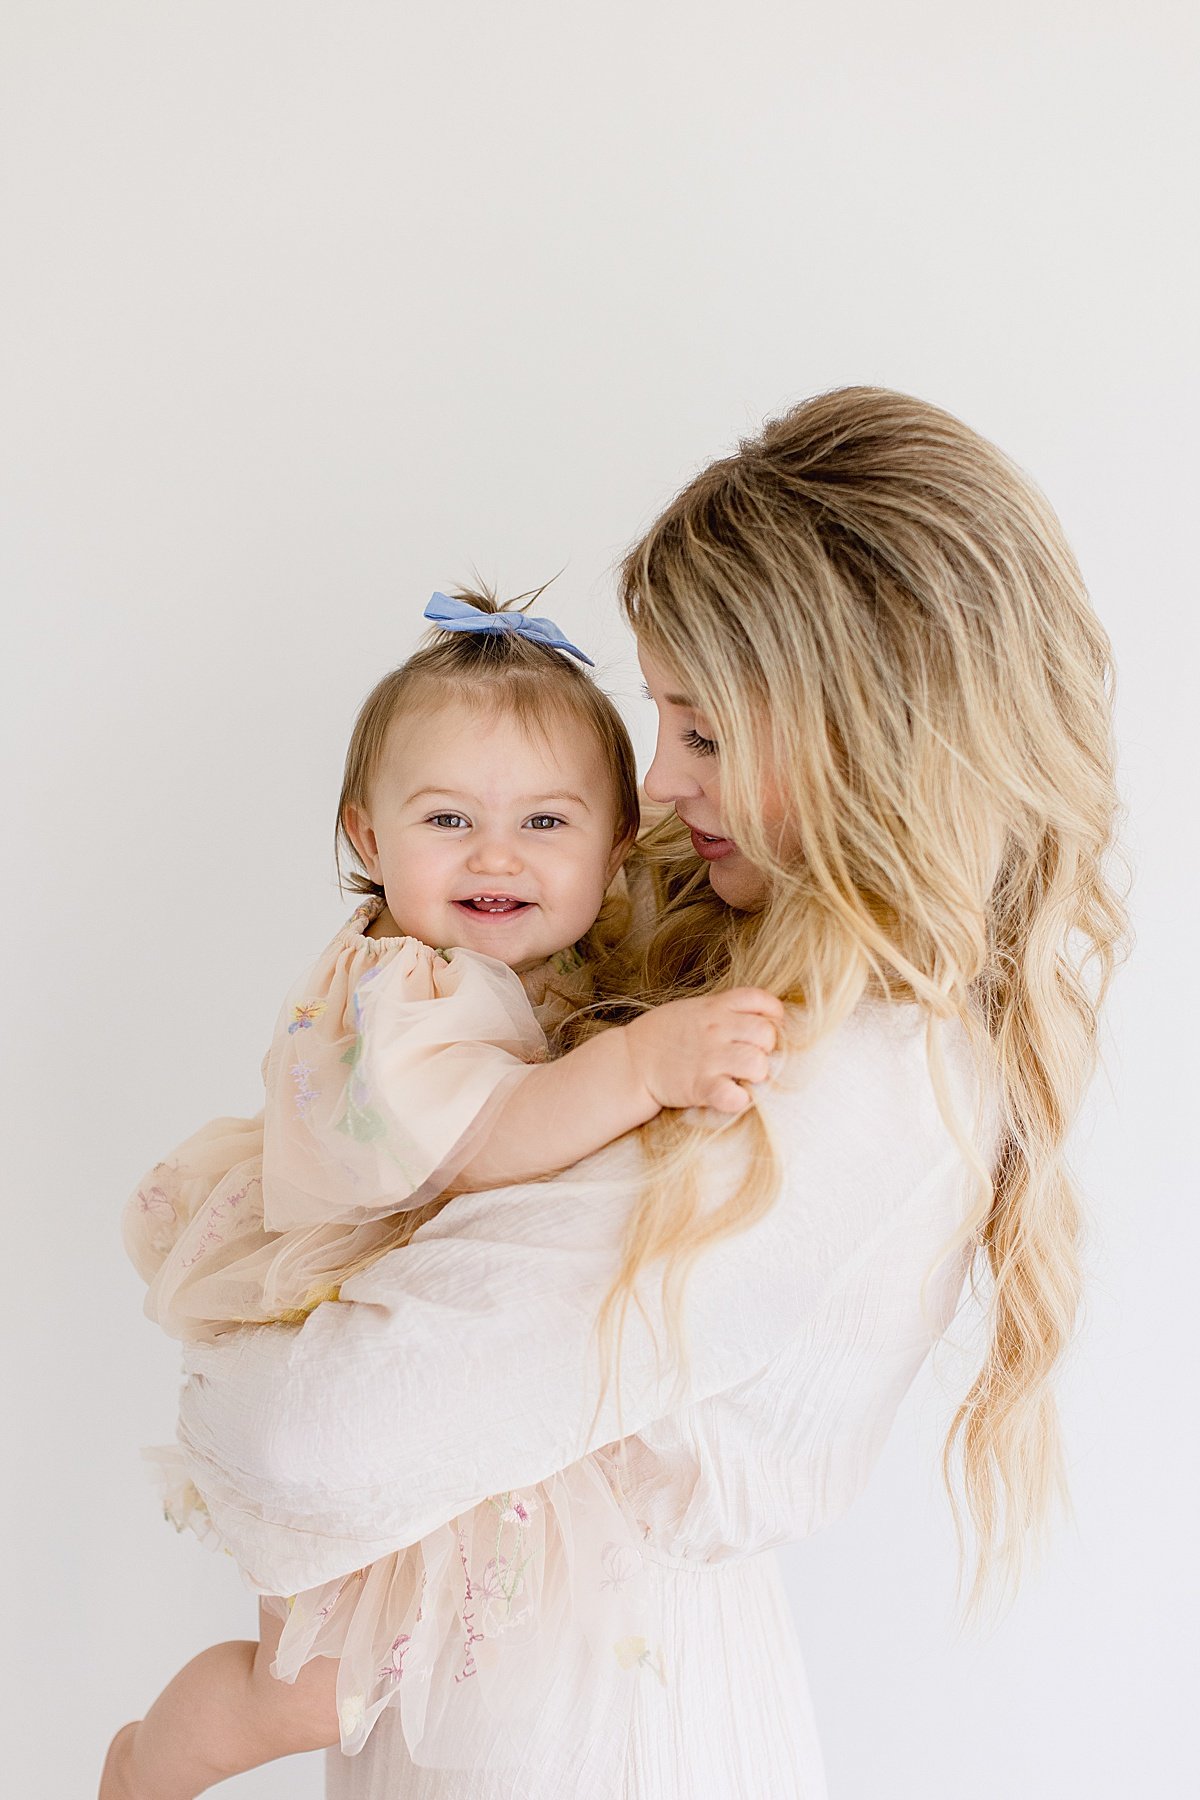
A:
x,y
522,1608
387,1061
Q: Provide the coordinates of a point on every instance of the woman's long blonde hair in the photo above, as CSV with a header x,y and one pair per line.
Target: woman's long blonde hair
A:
x,y
873,603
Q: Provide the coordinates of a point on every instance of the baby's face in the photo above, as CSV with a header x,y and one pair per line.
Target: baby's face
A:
x,y
485,836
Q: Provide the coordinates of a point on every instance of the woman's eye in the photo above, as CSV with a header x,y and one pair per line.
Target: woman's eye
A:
x,y
542,820
440,819
704,746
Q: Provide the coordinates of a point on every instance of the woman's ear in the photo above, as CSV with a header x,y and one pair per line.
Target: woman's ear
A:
x,y
358,830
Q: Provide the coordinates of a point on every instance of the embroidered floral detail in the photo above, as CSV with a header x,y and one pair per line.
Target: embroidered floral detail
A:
x,y
470,1635
304,1014
161,1215
501,1582
519,1511
157,1202
350,1712
503,1577
393,1668
634,1652
305,1093
360,1120
622,1561
329,1605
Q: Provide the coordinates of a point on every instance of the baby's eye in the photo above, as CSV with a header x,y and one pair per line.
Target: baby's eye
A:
x,y
704,746
542,820
440,819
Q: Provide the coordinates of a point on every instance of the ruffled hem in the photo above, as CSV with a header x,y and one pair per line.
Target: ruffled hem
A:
x,y
469,1631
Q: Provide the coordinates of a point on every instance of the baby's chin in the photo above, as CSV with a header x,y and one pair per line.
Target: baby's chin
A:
x,y
524,940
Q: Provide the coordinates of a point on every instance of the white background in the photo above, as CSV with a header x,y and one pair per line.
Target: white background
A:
x,y
311,308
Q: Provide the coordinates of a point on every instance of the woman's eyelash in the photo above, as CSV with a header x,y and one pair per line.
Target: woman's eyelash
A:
x,y
705,746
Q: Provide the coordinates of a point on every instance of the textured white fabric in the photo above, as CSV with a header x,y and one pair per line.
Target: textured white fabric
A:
x,y
463,1369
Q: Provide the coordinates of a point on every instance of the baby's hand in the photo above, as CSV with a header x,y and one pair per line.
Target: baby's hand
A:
x,y
696,1052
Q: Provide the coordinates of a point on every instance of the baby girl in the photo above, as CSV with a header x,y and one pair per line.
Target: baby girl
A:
x,y
490,799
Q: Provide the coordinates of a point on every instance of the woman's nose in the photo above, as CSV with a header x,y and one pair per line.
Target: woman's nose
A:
x,y
667,778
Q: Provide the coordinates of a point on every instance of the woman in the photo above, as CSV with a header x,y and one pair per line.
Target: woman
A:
x,y
885,765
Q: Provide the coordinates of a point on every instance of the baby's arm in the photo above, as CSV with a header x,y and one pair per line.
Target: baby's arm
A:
x,y
222,1714
691,1052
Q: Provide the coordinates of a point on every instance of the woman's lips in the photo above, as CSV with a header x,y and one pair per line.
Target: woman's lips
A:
x,y
712,849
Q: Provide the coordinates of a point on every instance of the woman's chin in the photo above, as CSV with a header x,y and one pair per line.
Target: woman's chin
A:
x,y
737,882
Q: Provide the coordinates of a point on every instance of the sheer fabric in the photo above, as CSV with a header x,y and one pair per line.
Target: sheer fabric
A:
x,y
364,1458
387,1061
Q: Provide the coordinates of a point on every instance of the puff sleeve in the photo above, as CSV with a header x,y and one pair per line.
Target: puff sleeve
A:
x,y
383,1072
387,1061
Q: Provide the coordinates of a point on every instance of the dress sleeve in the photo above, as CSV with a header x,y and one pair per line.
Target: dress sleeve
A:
x,y
464,1363
378,1087
413,1477
221,1160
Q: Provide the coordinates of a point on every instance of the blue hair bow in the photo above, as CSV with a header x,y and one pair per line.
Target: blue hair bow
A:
x,y
459,615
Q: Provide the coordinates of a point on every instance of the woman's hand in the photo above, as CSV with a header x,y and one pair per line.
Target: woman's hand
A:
x,y
697,1052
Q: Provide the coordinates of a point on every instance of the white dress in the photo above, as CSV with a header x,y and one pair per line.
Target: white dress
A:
x,y
649,1652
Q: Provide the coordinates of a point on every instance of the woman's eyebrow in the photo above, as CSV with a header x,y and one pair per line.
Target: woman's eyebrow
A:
x,y
673,699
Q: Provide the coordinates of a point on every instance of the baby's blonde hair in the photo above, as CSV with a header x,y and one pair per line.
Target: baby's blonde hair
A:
x,y
873,603
494,672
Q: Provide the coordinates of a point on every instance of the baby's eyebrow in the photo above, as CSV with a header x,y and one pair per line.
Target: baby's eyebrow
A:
x,y
521,799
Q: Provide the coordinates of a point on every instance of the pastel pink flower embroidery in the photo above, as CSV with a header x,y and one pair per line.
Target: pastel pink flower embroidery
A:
x,y
157,1202
161,1217
393,1668
519,1511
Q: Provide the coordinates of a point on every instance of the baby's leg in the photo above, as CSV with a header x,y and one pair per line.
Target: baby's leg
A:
x,y
222,1714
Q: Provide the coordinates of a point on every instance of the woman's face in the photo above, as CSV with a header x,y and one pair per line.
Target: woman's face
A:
x,y
686,770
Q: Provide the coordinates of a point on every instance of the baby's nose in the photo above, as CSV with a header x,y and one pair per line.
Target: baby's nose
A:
x,y
494,853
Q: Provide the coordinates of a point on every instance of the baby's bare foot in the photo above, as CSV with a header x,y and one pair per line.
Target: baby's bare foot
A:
x,y
115,1781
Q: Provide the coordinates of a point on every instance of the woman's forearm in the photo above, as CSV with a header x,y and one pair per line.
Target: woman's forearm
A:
x,y
560,1112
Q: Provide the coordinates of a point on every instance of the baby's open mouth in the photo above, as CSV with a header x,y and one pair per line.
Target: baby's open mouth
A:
x,y
493,905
